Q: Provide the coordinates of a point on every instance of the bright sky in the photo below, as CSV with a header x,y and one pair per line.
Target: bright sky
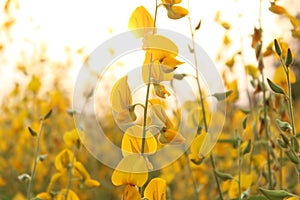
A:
x,y
88,23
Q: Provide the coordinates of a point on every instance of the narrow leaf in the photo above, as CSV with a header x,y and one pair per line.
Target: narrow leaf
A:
x,y
289,57
277,47
224,176
275,88
32,132
247,148
48,115
245,123
223,95
276,194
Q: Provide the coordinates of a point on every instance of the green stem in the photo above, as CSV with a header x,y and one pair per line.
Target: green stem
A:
x,y
239,164
290,102
202,102
70,174
196,193
212,161
265,101
36,153
148,87
280,170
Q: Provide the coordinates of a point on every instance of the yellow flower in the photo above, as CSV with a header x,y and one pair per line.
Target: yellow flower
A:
x,y
156,189
73,138
34,84
131,170
171,2
252,71
131,193
132,141
63,159
120,96
176,12
71,195
90,183
170,136
280,77
81,170
277,9
246,181
160,55
200,147
141,22
44,196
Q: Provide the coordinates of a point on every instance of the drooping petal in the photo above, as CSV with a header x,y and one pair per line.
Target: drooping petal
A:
x,y
156,189
131,170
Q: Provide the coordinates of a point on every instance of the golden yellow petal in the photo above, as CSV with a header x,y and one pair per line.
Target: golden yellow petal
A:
x,y
120,96
131,170
156,189
141,22
177,12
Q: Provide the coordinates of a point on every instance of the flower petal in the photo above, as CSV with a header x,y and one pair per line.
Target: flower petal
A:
x,y
156,189
131,170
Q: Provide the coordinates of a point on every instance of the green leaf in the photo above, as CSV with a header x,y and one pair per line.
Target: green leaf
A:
x,y
277,47
245,122
223,95
245,111
285,139
296,144
48,115
247,148
224,176
32,132
281,143
276,194
289,58
284,126
257,198
275,88
292,157
179,76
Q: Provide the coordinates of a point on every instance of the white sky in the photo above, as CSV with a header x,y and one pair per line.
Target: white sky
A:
x,y
88,23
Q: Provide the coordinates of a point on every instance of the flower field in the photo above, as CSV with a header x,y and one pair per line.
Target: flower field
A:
x,y
224,143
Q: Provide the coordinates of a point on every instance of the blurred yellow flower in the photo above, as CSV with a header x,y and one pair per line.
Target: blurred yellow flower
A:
x,y
246,181
73,138
44,196
280,77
